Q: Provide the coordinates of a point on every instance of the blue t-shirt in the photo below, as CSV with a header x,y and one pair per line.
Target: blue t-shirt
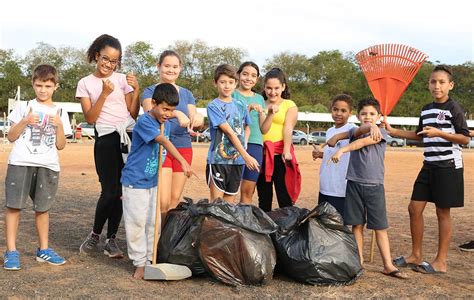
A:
x,y
179,136
234,113
140,171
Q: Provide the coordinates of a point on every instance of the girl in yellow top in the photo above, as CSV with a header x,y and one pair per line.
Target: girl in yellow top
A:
x,y
279,163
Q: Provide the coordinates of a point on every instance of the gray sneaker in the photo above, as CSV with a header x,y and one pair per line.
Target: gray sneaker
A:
x,y
89,246
112,249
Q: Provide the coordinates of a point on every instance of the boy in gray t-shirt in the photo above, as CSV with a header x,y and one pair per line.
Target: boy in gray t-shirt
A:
x,y
365,195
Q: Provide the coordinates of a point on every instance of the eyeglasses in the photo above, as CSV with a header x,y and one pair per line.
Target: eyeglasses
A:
x,y
107,60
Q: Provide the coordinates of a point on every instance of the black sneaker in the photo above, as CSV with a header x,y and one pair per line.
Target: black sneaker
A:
x,y
468,247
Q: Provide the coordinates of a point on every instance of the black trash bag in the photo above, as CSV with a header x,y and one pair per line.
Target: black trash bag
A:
x,y
315,247
234,243
176,244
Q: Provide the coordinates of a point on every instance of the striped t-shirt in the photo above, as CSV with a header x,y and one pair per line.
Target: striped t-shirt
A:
x,y
448,117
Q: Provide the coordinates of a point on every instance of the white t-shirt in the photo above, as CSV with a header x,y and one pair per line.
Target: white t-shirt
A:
x,y
36,146
115,109
332,177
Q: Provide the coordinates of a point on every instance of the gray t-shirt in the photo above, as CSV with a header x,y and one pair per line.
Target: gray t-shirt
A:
x,y
366,165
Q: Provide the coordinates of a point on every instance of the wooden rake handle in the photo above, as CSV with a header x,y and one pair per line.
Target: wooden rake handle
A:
x,y
158,198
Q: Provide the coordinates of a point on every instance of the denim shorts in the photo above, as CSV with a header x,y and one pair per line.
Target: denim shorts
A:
x,y
365,203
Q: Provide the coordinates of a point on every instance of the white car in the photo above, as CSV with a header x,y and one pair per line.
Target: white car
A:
x,y
87,129
4,127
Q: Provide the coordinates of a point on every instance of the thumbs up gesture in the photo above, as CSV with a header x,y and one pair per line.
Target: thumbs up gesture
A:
x,y
132,81
107,87
31,117
55,120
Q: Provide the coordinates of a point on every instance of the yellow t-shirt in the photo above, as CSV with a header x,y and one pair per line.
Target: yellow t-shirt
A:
x,y
275,133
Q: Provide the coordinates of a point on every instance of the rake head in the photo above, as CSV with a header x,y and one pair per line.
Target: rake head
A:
x,y
389,69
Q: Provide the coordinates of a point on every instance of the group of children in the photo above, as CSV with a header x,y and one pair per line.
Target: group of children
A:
x,y
251,147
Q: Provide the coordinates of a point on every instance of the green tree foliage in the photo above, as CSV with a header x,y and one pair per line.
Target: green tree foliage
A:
x,y
313,79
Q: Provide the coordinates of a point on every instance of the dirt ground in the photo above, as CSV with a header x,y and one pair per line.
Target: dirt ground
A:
x,y
99,276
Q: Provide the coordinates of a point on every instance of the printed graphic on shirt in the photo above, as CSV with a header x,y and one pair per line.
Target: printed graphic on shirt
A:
x,y
235,114
41,136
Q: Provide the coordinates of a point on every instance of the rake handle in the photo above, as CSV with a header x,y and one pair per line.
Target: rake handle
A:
x,y
158,198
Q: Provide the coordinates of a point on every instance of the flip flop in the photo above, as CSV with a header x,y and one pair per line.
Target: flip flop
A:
x,y
402,263
396,274
426,268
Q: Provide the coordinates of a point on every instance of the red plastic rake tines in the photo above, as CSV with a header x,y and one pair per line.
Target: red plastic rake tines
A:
x,y
389,69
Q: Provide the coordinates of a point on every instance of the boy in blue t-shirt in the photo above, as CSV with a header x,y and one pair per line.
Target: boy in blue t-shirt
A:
x,y
139,176
228,123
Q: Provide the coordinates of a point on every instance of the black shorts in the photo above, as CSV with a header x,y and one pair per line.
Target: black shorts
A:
x,y
365,203
442,186
225,177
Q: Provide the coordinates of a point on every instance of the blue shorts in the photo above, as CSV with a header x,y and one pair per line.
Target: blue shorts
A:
x,y
256,151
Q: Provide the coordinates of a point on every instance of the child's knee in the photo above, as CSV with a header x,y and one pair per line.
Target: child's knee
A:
x,y
414,210
444,213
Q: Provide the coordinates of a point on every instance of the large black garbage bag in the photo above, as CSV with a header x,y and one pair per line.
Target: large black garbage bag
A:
x,y
234,243
177,240
315,247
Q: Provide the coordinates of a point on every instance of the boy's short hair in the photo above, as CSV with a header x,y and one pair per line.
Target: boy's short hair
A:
x,y
342,97
44,73
369,102
165,92
225,69
444,68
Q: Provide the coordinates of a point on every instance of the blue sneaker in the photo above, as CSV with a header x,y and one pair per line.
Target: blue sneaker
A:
x,y
50,256
11,260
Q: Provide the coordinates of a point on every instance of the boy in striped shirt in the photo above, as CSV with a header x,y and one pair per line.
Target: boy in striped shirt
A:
x,y
443,129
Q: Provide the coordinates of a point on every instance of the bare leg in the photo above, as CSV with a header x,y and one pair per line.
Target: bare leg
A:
x,y
445,232
12,220
417,227
139,273
165,191
230,198
247,189
179,180
215,192
42,227
384,248
358,231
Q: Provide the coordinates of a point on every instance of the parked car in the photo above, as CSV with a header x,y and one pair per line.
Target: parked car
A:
x,y
299,137
4,127
87,129
395,142
470,145
317,137
414,143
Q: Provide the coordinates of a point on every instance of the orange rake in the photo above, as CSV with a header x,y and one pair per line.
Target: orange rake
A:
x,y
389,69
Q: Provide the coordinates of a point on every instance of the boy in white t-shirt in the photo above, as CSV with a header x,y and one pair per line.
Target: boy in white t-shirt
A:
x,y
33,165
332,177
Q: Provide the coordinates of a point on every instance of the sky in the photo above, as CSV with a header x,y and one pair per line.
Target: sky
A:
x,y
443,29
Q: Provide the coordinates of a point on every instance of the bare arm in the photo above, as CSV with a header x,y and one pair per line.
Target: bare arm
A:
x,y
411,135
336,138
92,112
290,122
355,145
56,121
132,99
456,138
247,134
267,123
250,162
17,128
